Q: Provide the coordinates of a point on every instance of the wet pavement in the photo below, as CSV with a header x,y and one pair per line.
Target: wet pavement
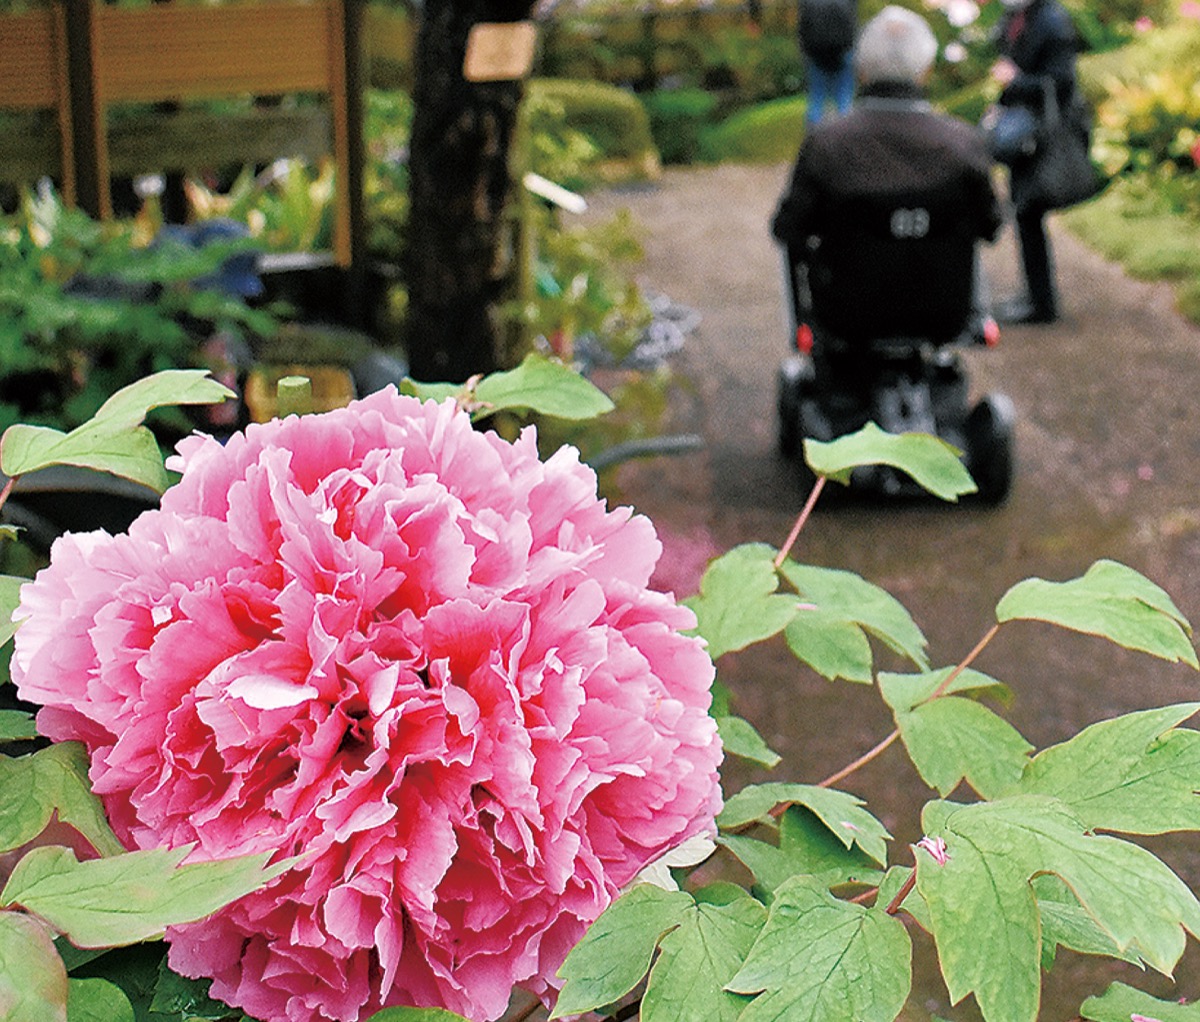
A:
x,y
1107,443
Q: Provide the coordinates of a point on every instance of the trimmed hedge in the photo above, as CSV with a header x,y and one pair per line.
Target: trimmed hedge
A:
x,y
613,118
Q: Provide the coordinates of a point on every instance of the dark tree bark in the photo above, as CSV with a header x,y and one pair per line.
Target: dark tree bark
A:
x,y
458,186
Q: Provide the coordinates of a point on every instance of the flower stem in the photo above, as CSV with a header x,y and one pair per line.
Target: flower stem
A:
x,y
905,889
862,760
8,486
800,520
965,663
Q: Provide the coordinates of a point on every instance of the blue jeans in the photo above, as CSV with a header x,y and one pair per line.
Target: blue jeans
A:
x,y
835,86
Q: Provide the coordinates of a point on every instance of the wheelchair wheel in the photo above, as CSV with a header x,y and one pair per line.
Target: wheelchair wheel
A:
x,y
988,432
794,381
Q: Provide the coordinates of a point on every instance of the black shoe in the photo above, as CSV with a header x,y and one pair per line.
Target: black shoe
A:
x,y
1021,310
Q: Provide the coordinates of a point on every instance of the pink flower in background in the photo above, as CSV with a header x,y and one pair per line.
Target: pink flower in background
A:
x,y
1143,24
412,654
1190,9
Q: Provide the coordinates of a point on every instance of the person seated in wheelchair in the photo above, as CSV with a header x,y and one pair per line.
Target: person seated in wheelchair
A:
x,y
884,211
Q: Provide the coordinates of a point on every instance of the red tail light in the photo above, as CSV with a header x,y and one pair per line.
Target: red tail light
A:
x,y
804,339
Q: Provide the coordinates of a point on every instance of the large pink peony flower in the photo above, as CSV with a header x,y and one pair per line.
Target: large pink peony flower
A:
x,y
408,652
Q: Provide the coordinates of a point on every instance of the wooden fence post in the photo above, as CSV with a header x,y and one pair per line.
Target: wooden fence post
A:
x,y
88,150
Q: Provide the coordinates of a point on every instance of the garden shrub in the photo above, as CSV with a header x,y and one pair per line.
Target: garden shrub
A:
x,y
612,118
677,118
770,132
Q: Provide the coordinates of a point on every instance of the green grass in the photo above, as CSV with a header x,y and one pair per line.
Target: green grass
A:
x,y
767,133
1130,225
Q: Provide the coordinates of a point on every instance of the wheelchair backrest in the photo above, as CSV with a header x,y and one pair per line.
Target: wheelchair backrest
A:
x,y
900,265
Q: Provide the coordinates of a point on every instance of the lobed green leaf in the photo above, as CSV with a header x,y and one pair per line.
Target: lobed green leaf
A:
x,y
739,738
951,739
545,386
131,897
855,963
15,726
10,598
903,692
433,392
1134,774
700,956
1110,600
33,981
1066,924
841,813
806,848
618,947
933,463
828,636
52,781
187,998
1120,1003
415,1015
97,1000
113,440
985,917
738,603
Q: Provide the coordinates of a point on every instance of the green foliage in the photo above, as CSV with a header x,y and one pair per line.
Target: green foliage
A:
x,y
1034,858
538,384
86,308
612,119
114,439
677,119
1022,853
770,132
1119,1003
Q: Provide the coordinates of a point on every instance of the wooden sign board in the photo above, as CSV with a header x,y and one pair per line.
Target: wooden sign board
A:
x,y
499,51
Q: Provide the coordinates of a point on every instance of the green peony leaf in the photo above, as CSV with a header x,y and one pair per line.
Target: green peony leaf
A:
x,y
188,998
15,726
902,692
97,1000
1109,600
432,392
855,962
33,981
806,848
738,603
842,598
113,439
415,1015
543,385
10,597
130,897
985,917
701,955
841,813
1132,774
951,739
1120,1003
830,645
933,463
618,947
1066,924
53,780
739,738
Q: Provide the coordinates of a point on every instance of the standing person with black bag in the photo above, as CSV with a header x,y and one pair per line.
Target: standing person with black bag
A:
x,y
1038,44
827,30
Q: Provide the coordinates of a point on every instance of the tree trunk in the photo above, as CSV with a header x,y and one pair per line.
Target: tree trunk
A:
x,y
458,185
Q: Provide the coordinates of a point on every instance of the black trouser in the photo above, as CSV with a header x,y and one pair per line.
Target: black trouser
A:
x,y
1036,260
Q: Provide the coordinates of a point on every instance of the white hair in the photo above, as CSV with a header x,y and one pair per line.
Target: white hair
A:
x,y
897,45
